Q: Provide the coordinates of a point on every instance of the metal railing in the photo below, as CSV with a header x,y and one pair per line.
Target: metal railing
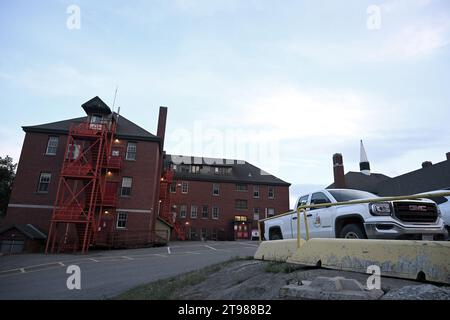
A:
x,y
343,203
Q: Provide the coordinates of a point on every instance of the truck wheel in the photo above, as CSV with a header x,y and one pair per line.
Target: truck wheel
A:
x,y
352,231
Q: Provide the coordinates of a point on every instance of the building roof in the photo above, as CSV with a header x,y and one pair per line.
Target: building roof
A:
x,y
125,128
96,105
360,181
28,230
241,171
434,177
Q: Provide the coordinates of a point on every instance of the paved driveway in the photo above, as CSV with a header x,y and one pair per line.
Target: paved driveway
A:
x,y
105,274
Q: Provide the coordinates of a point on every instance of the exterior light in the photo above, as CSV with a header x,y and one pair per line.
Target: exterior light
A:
x,y
109,173
187,223
116,141
106,211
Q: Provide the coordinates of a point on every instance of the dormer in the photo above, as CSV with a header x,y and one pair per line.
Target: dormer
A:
x,y
97,111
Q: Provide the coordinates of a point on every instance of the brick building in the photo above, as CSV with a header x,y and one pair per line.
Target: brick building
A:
x,y
222,199
97,179
131,176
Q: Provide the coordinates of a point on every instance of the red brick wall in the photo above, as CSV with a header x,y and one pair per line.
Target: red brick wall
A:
x,y
33,161
201,193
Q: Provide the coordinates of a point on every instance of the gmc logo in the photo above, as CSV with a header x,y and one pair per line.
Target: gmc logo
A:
x,y
417,208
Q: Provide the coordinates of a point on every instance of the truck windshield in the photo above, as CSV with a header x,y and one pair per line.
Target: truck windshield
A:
x,y
348,195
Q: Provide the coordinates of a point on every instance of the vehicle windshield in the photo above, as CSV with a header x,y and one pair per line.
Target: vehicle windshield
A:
x,y
348,195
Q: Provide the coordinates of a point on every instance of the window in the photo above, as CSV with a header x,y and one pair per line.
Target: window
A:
x,y
125,191
184,187
256,214
52,146
205,213
44,182
319,198
214,234
241,204
255,191
221,170
73,151
173,187
96,118
204,233
241,187
194,211
216,189
240,218
184,168
192,233
271,192
270,212
115,153
215,213
303,201
96,122
122,218
131,151
195,169
183,210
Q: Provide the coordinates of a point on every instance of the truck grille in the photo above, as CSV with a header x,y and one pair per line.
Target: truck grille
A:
x,y
415,212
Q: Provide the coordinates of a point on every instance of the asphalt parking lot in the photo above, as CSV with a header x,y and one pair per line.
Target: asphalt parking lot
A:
x,y
105,274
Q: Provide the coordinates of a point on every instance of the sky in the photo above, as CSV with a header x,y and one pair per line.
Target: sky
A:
x,y
283,85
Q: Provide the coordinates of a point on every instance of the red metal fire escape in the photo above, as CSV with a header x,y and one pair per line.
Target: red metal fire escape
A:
x,y
83,190
165,205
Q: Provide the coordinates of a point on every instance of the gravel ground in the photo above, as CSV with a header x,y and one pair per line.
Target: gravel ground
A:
x,y
251,279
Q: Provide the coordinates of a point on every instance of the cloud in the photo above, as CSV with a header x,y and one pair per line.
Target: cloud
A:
x,y
414,42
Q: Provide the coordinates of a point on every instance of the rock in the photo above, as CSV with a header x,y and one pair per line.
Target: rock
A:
x,y
419,292
324,288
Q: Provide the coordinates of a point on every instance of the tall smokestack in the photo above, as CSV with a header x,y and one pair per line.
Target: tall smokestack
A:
x,y
364,165
162,125
338,170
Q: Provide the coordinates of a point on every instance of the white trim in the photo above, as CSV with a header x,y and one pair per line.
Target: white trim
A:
x,y
30,206
135,210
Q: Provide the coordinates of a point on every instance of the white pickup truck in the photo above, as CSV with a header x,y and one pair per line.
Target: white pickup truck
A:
x,y
418,219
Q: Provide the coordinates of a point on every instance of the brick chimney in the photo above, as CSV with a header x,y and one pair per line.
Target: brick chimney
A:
x,y
448,155
338,170
426,164
162,125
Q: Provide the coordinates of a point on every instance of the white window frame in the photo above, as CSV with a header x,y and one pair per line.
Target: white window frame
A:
x,y
125,185
256,192
216,186
273,192
241,200
239,185
270,210
203,211
183,211
215,213
52,145
42,176
76,151
184,187
256,214
129,152
194,216
120,218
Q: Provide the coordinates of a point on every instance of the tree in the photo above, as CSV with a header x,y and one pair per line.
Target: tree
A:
x,y
7,174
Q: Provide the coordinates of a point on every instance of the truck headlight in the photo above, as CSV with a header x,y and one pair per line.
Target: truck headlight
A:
x,y
380,208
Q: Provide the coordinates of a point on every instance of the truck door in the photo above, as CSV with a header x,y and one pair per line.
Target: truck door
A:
x,y
302,201
319,219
